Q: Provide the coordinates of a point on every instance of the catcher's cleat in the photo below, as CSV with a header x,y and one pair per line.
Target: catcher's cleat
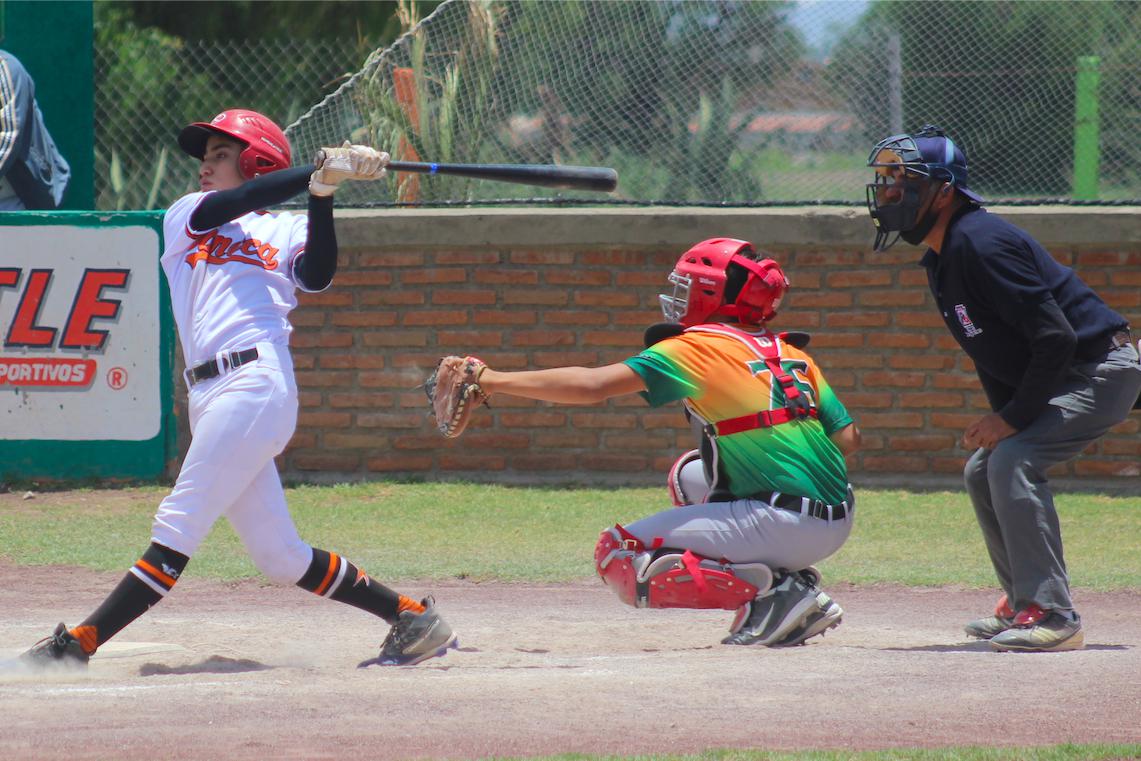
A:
x,y
416,637
1041,631
985,628
61,649
777,612
827,615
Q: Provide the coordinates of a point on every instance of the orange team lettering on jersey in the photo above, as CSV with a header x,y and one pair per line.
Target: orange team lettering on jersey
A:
x,y
222,307
215,248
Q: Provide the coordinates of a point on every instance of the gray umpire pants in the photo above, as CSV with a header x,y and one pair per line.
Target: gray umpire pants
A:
x,y
1008,486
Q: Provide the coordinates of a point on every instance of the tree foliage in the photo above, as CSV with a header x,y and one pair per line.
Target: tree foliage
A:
x,y
988,71
158,71
666,81
269,19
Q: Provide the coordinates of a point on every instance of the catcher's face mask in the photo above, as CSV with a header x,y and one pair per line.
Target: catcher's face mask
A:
x,y
675,304
902,190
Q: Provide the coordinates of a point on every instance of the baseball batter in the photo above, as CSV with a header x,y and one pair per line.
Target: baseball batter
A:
x,y
233,271
766,495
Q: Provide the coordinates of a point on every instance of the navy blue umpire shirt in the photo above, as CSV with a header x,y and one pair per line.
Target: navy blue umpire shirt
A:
x,y
1022,317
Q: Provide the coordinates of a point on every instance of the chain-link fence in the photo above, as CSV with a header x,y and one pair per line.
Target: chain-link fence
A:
x,y
714,102
148,87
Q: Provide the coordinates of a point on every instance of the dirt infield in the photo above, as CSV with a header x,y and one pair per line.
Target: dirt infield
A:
x,y
250,671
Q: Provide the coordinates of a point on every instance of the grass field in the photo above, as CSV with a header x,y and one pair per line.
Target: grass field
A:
x,y
514,534
488,532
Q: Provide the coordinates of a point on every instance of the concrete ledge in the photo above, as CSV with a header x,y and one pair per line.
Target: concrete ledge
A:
x,y
815,226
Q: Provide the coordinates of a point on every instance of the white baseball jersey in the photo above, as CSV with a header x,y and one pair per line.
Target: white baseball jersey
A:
x,y
232,286
231,289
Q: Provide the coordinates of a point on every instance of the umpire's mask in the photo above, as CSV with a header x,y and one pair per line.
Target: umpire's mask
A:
x,y
909,170
900,191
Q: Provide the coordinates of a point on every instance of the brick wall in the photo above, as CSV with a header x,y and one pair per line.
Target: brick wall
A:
x,y
542,289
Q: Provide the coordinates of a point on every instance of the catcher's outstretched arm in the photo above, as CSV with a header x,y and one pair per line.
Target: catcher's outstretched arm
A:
x,y
565,385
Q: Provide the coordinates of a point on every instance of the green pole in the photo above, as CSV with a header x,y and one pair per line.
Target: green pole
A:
x,y
1085,130
55,42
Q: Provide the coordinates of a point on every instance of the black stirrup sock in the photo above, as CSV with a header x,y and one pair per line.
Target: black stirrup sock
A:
x,y
333,576
145,584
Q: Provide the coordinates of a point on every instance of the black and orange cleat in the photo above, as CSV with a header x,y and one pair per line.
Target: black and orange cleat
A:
x,y
61,649
417,637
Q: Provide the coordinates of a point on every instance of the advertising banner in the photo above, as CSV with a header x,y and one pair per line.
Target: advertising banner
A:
x,y
83,355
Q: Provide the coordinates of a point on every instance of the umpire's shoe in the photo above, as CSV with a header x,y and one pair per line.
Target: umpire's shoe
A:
x,y
777,612
1041,631
417,637
985,628
60,649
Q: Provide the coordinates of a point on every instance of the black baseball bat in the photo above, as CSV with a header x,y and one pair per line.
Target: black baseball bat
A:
x,y
546,175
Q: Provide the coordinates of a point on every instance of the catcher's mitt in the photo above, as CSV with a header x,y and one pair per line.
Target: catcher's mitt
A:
x,y
454,392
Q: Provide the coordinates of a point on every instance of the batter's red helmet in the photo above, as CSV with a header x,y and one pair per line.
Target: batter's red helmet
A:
x,y
722,277
266,147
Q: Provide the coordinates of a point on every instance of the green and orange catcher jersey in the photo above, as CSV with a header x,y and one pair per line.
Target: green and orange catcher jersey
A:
x,y
721,377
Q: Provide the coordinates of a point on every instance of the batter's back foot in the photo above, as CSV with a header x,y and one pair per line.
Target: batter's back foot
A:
x,y
59,650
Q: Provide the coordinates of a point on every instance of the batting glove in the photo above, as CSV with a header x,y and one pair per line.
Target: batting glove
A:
x,y
348,162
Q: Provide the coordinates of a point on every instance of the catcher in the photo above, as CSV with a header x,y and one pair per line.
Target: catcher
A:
x,y
764,496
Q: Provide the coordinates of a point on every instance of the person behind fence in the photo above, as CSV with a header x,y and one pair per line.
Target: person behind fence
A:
x,y
766,493
33,173
1057,365
233,271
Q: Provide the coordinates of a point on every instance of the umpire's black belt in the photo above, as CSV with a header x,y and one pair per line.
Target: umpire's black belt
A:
x,y
814,507
229,361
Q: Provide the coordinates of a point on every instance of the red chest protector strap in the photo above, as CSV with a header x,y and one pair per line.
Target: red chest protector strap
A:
x,y
797,405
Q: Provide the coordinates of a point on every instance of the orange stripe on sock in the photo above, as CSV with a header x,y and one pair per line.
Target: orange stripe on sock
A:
x,y
334,561
88,637
165,579
407,603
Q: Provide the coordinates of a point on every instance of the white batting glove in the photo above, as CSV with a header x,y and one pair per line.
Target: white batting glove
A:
x,y
348,162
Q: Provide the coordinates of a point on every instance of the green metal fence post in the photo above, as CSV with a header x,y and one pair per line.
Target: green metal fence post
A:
x,y
1086,130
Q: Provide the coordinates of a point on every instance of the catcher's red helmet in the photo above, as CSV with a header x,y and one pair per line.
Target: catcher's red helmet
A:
x,y
722,277
267,148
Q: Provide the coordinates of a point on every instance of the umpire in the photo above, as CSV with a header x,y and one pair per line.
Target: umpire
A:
x,y
1058,366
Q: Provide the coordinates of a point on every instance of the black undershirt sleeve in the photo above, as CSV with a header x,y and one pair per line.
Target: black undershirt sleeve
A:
x,y
261,192
313,270
1052,345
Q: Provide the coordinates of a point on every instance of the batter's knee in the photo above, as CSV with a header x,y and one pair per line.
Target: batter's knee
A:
x,y
284,565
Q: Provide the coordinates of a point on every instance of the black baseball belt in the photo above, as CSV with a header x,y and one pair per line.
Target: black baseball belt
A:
x,y
814,507
212,369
